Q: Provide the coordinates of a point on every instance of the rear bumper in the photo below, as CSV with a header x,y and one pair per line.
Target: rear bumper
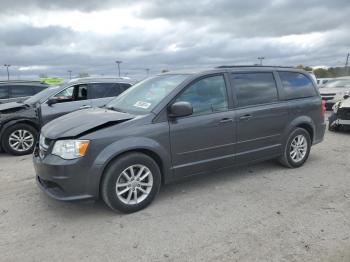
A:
x,y
319,133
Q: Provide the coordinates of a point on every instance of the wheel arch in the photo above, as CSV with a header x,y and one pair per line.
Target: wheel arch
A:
x,y
8,124
304,122
308,127
146,146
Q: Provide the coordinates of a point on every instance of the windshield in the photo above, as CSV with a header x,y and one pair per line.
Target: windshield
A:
x,y
43,95
143,97
338,83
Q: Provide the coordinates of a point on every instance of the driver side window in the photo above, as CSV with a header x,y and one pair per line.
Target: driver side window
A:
x,y
207,95
73,93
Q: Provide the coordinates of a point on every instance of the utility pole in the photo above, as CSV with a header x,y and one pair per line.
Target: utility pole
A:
x,y
118,63
347,60
8,73
70,74
147,71
261,58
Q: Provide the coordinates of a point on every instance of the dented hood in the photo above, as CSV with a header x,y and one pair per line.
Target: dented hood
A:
x,y
82,122
12,107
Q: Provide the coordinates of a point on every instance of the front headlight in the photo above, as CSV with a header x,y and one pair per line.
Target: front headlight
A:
x,y
70,149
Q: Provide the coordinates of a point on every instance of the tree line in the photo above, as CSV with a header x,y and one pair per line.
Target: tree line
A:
x,y
329,72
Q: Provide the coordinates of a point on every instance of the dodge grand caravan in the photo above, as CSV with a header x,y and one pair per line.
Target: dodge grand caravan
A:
x,y
175,125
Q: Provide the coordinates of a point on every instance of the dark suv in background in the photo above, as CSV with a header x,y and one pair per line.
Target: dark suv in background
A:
x,y
179,124
12,91
20,122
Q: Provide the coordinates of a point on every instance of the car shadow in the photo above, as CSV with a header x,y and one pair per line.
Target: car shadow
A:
x,y
78,209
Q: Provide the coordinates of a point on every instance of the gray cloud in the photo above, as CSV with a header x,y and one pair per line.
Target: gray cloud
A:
x,y
205,34
23,6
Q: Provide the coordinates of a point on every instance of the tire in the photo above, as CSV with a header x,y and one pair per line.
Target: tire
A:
x,y
286,159
23,148
115,173
331,119
333,128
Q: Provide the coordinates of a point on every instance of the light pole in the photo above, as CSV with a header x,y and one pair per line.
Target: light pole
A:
x,y
70,74
261,58
8,72
118,63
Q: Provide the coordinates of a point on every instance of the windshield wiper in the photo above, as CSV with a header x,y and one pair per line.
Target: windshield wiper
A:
x,y
115,109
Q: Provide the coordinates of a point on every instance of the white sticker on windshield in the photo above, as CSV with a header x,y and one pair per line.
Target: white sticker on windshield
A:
x,y
143,105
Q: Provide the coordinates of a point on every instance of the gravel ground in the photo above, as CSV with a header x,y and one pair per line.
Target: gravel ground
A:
x,y
262,212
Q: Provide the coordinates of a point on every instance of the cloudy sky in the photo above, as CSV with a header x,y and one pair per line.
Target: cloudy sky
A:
x,y
51,37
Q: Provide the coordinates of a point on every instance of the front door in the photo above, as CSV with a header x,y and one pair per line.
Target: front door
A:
x,y
70,99
204,140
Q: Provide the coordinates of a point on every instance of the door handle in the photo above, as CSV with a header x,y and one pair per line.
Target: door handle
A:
x,y
245,117
85,106
226,120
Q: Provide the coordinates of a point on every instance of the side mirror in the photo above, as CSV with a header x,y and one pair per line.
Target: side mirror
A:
x,y
51,101
179,109
346,96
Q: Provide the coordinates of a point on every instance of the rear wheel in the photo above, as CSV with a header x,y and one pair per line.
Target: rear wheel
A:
x,y
297,149
19,139
131,182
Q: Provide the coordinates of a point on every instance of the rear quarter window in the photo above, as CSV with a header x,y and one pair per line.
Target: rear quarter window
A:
x,y
296,85
100,90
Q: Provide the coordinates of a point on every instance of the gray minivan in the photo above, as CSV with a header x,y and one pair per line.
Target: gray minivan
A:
x,y
20,122
175,125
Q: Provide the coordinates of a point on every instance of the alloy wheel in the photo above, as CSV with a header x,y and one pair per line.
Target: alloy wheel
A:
x,y
298,148
134,184
21,140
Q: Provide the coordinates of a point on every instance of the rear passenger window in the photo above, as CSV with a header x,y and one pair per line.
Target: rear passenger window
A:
x,y
21,91
105,90
206,96
254,88
4,92
296,85
116,90
38,89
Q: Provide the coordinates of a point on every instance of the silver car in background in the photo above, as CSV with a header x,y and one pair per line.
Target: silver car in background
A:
x,y
335,90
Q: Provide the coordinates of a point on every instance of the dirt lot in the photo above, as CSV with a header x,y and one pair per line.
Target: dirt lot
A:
x,y
262,212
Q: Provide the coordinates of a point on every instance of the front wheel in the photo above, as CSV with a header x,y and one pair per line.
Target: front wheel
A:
x,y
19,139
297,149
131,182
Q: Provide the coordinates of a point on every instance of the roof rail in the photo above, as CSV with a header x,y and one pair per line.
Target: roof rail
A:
x,y
236,66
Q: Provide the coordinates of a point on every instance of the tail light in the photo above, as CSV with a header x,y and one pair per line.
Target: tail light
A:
x,y
323,107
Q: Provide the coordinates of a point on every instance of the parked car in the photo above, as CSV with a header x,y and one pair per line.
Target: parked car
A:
x,y
20,122
13,91
334,91
340,118
322,81
175,125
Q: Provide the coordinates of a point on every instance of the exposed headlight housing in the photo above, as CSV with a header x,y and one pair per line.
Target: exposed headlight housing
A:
x,y
70,149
